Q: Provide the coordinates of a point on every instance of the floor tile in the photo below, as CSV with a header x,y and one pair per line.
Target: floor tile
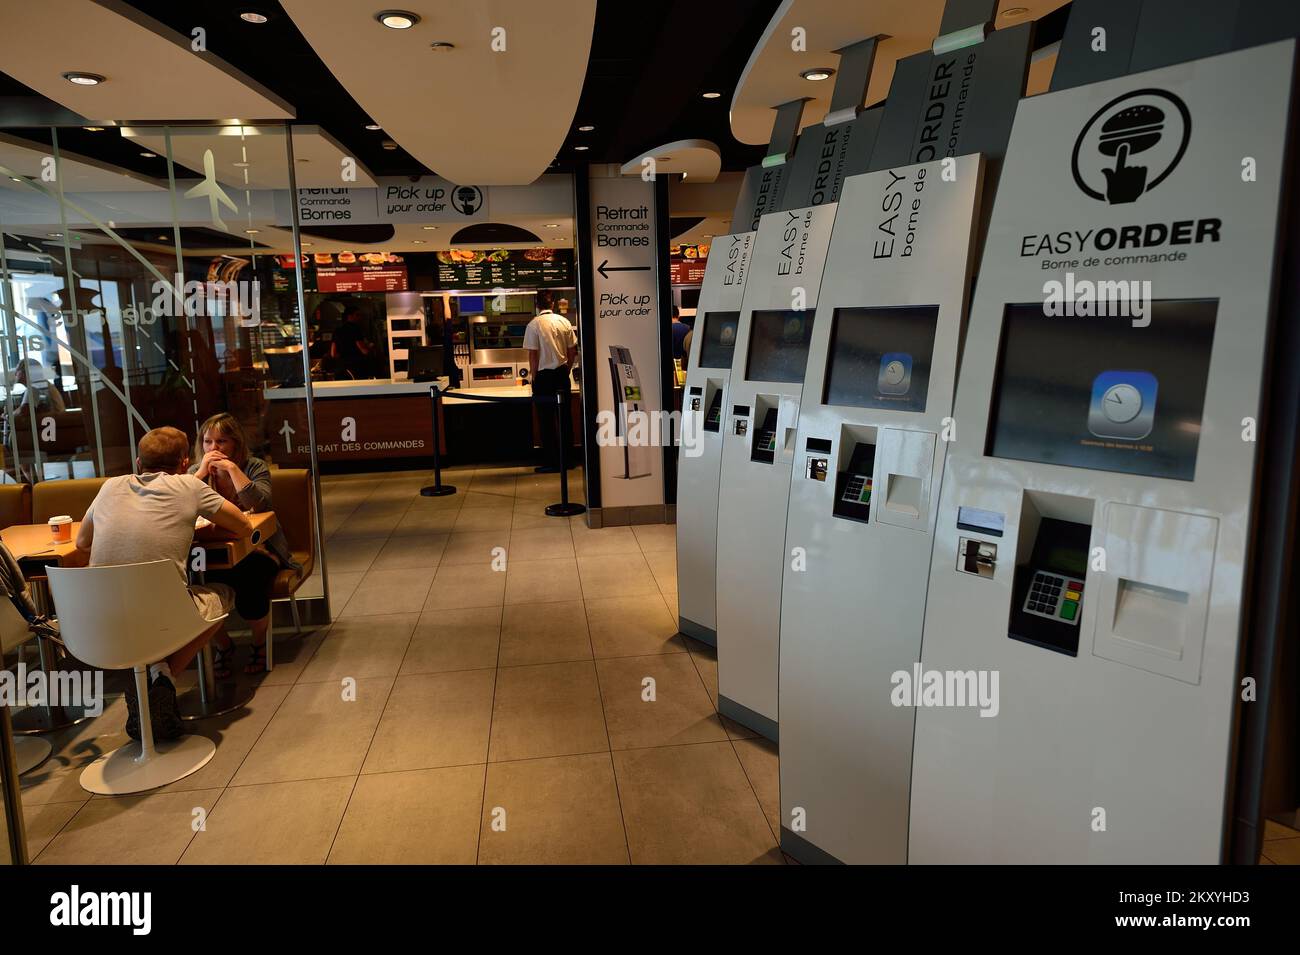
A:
x,y
542,581
370,520
606,540
148,829
544,633
663,564
285,823
631,626
458,586
656,537
425,521
423,817
316,733
353,555
691,805
361,647
758,757
557,811
705,659
342,587
542,543
476,547
496,517
679,712
1283,851
432,720
41,823
548,710
447,640
58,778
616,575
423,551
390,591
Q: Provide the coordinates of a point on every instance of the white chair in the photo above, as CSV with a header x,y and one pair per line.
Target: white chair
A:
x,y
29,751
131,616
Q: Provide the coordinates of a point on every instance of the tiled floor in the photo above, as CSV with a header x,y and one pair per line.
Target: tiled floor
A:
x,y
499,686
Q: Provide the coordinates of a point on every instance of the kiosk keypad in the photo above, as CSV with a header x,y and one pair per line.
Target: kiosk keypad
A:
x,y
857,490
1054,596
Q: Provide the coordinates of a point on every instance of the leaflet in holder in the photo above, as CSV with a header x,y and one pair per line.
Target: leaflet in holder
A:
x,y
1111,393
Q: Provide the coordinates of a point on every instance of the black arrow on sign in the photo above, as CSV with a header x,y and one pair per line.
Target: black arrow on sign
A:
x,y
605,268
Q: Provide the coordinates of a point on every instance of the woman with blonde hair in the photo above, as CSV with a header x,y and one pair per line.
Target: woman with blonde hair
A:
x,y
221,451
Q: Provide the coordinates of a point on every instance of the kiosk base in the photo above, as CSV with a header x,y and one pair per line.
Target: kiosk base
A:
x,y
747,718
803,851
697,631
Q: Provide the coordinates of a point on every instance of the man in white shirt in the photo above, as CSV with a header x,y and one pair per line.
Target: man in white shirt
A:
x,y
552,349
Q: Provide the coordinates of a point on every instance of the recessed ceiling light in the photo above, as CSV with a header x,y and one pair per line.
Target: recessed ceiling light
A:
x,y
397,19
162,238
818,74
253,16
708,235
441,46
240,165
55,235
663,159
585,129
15,179
1015,11
430,228
417,242
581,148
389,144
149,155
711,95
302,159
84,79
93,129
306,243
251,231
552,225
374,127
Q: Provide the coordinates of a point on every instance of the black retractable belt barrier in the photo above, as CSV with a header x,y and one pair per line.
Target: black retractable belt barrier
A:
x,y
437,488
563,509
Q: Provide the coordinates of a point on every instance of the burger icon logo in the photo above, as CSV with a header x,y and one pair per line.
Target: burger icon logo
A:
x,y
467,200
1131,145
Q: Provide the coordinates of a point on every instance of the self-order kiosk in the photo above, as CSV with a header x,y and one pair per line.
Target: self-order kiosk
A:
x,y
868,458
1079,664
775,329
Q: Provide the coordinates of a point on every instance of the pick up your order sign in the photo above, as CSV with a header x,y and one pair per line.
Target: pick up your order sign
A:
x,y
395,199
623,253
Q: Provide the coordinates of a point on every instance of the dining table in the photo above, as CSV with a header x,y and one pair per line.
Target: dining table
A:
x,y
34,548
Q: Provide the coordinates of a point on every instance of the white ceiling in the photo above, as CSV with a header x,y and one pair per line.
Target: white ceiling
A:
x,y
771,77
318,155
79,173
151,71
474,115
698,160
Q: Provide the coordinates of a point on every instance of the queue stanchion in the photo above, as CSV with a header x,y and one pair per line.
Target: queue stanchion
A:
x,y
437,488
564,508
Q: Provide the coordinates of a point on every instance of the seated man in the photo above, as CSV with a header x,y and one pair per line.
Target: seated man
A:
x,y
150,516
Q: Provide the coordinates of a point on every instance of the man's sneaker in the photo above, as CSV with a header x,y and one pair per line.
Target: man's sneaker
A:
x,y
163,710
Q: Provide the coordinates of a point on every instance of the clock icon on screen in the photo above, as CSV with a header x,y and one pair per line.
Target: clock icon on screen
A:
x,y
1123,405
895,376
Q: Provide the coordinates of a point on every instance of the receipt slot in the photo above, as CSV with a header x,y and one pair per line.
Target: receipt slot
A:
x,y
1094,520
880,384
699,458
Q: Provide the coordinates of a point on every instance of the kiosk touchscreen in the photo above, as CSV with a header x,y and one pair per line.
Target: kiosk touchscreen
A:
x,y
868,459
699,458
1079,669
626,382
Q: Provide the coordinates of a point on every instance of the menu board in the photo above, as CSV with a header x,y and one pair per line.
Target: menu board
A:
x,y
686,264
361,278
504,268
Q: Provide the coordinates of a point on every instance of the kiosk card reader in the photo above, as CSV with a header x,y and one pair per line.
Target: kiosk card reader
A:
x,y
699,458
1100,434
881,378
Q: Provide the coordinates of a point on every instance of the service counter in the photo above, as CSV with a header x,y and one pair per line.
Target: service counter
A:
x,y
379,419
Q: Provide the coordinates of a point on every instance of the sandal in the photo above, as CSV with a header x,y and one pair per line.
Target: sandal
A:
x,y
256,658
222,661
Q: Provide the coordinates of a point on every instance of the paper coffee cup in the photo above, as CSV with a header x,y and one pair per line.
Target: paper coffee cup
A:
x,y
61,529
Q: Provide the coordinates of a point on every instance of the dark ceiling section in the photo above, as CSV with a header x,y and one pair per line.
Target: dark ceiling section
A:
x,y
276,55
378,232
649,65
487,233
